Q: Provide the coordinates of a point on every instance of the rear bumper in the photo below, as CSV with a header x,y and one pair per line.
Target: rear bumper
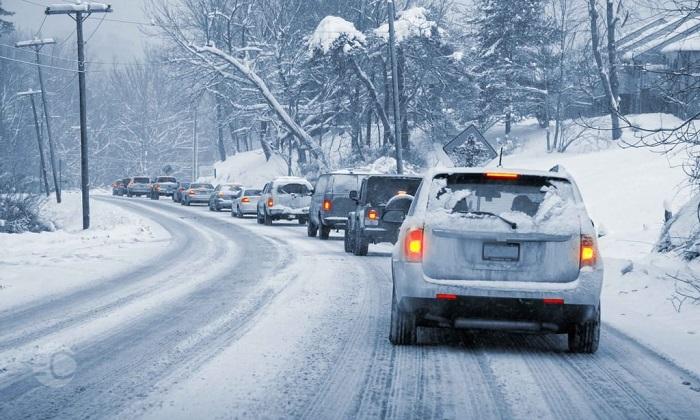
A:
x,y
196,199
224,203
251,208
377,234
288,212
497,305
334,221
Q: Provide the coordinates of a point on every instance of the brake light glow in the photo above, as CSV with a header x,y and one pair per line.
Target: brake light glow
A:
x,y
413,246
327,205
192,192
373,214
245,200
553,301
270,202
445,296
501,175
221,194
588,253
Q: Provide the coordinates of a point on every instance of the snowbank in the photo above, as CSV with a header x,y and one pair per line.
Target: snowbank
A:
x,y
333,32
37,265
249,168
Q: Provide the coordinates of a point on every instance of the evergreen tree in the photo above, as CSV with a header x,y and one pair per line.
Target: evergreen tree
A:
x,y
5,26
510,36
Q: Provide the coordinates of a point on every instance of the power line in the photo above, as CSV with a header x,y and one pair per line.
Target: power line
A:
x,y
2,57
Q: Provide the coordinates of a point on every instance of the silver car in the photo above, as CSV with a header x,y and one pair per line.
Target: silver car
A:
x,y
246,203
223,196
196,193
501,250
139,185
285,198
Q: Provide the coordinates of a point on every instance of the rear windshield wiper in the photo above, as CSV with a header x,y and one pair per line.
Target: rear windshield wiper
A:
x,y
512,225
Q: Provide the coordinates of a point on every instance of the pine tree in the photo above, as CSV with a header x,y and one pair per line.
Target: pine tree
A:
x,y
510,34
5,26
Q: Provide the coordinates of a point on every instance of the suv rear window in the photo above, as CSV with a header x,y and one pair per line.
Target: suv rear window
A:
x,y
166,179
343,184
381,190
251,193
230,187
477,193
293,189
141,180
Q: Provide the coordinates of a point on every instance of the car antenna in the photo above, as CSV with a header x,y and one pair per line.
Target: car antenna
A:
x,y
500,158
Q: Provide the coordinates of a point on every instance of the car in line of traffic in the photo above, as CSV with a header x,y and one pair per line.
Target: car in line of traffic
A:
x,y
474,248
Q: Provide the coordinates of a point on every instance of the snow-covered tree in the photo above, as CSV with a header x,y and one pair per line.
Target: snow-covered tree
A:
x,y
511,35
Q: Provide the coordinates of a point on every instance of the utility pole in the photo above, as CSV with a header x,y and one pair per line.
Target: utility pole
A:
x,y
194,145
37,44
395,82
31,94
79,12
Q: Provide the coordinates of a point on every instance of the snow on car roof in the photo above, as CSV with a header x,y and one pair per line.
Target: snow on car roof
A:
x,y
289,179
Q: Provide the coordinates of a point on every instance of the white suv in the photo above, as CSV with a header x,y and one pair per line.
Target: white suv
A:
x,y
286,198
498,250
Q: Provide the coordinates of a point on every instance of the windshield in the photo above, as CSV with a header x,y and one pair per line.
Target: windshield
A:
x,y
166,179
343,184
205,186
252,193
141,180
475,193
293,189
381,190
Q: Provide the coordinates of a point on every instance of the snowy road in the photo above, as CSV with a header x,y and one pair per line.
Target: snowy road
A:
x,y
243,320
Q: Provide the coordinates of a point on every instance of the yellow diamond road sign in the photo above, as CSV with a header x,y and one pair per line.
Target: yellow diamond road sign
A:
x,y
469,149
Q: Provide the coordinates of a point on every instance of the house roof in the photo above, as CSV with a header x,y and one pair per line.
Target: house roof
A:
x,y
656,36
687,43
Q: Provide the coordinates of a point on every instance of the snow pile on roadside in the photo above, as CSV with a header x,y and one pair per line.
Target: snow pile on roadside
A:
x,y
250,169
682,232
37,265
332,32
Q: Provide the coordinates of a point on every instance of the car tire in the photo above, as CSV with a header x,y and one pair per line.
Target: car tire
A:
x,y
258,217
267,219
311,229
402,330
361,245
346,241
585,337
239,213
324,232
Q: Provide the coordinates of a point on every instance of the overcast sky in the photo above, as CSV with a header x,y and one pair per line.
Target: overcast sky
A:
x,y
112,41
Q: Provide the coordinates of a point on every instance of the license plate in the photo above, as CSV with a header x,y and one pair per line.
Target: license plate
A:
x,y
494,251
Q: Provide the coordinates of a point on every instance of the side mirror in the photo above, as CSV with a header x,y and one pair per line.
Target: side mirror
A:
x,y
353,195
394,216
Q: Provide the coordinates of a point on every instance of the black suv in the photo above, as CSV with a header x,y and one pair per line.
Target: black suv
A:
x,y
367,223
331,202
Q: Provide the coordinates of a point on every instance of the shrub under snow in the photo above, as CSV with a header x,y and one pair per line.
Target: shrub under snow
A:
x,y
334,32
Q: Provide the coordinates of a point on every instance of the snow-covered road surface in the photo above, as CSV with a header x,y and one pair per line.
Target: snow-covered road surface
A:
x,y
243,320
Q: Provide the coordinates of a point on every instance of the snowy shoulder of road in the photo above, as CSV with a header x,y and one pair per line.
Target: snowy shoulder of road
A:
x,y
35,266
624,190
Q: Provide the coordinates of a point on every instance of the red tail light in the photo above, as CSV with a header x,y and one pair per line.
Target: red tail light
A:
x,y
445,296
414,245
270,202
245,200
192,192
221,194
327,205
373,214
553,301
588,251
